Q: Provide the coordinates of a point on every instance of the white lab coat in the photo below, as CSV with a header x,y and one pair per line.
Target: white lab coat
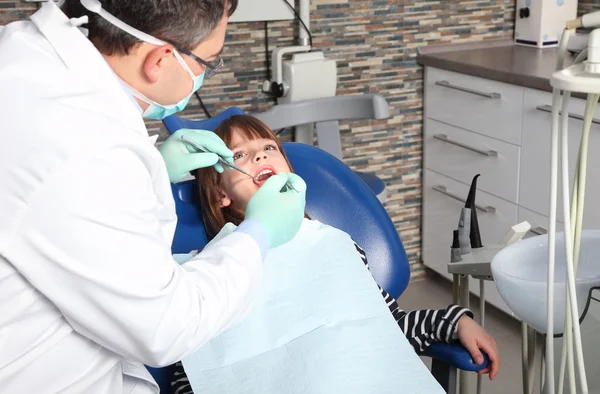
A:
x,y
89,290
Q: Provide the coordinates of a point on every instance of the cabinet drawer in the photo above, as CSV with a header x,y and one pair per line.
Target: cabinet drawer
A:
x,y
441,213
462,154
534,189
487,107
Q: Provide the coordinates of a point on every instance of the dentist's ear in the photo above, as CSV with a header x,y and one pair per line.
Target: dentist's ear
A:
x,y
155,61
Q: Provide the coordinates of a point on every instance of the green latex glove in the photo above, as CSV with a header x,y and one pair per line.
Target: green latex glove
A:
x,y
279,212
180,157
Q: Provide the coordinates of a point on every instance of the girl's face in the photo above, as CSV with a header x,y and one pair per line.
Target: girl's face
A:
x,y
259,157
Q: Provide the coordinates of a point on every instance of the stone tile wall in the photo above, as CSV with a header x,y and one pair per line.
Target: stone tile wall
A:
x,y
586,6
15,10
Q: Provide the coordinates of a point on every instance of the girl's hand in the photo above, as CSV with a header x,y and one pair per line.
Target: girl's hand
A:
x,y
474,337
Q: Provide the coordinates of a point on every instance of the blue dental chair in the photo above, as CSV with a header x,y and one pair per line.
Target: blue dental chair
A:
x,y
339,197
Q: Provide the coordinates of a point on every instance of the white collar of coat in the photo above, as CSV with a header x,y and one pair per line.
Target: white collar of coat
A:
x,y
81,56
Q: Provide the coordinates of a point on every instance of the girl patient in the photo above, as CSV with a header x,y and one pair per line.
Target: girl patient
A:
x,y
224,198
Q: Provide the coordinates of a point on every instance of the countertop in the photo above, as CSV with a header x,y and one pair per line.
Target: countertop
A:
x,y
497,60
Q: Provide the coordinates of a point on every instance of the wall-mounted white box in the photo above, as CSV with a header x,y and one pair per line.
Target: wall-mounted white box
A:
x,y
262,10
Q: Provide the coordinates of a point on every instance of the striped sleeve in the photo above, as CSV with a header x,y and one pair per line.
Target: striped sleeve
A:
x,y
180,384
423,327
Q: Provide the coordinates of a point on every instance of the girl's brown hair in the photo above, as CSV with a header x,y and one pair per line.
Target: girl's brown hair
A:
x,y
209,180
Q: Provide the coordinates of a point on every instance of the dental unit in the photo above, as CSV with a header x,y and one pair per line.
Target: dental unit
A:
x,y
569,260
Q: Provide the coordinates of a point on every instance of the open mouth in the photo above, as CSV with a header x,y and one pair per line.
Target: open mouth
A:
x,y
263,174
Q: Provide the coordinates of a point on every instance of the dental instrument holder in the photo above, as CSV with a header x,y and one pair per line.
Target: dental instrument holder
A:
x,y
476,262
476,257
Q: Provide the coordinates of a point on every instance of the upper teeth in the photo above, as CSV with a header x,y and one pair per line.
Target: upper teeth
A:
x,y
264,172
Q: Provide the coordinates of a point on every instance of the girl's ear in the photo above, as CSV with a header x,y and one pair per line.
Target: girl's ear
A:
x,y
224,200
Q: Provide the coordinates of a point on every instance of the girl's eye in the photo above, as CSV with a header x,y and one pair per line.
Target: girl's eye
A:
x,y
238,155
270,147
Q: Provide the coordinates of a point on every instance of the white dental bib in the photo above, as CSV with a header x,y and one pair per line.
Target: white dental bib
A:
x,y
318,325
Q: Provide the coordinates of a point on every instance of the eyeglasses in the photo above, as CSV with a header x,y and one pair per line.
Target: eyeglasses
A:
x,y
211,67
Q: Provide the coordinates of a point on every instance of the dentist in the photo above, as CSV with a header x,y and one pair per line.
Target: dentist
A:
x,y
89,290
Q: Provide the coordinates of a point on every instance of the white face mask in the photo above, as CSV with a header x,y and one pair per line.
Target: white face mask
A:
x,y
154,111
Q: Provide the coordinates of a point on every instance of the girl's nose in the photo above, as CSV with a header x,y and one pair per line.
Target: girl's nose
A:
x,y
259,156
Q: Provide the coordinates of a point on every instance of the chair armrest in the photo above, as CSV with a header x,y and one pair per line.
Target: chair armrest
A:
x,y
455,355
162,377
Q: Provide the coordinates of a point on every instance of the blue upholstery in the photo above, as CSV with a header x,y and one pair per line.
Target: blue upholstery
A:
x,y
336,195
456,355
163,377
189,234
375,183
173,123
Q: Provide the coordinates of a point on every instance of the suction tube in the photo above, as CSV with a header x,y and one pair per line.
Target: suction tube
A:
x,y
571,330
573,230
556,103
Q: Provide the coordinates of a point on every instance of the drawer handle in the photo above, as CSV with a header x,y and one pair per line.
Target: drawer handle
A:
x,y
444,137
539,231
444,190
448,85
548,108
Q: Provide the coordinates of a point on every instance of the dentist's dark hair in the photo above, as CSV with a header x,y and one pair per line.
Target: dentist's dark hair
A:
x,y
183,22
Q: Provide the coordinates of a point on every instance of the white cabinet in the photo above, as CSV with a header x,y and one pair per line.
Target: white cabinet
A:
x,y
487,107
501,131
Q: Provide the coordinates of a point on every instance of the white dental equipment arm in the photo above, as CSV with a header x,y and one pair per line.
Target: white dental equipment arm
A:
x,y
276,85
575,78
305,16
